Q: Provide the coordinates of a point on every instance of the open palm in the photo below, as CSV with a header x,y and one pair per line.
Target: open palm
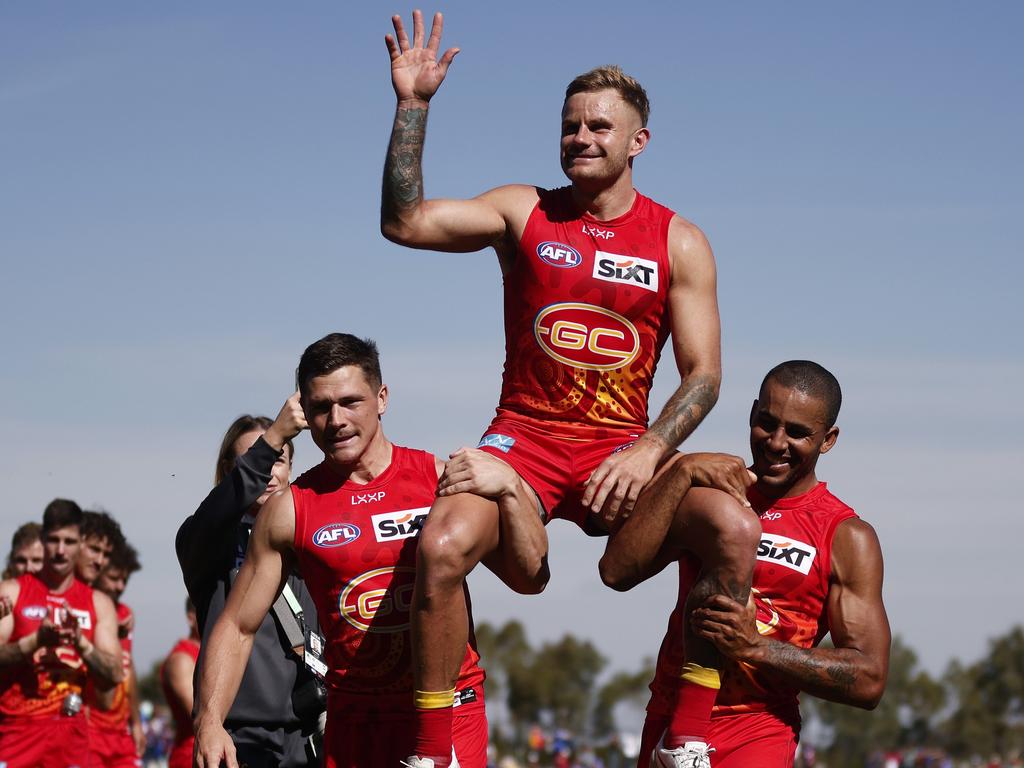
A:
x,y
416,72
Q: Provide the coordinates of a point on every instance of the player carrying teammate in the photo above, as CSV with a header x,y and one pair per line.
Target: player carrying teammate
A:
x,y
60,635
116,739
350,524
176,675
596,278
819,570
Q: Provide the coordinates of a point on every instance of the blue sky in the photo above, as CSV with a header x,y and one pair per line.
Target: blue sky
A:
x,y
190,195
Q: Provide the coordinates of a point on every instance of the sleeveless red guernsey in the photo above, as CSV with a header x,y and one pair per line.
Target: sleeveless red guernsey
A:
x,y
181,749
791,583
586,316
356,547
39,688
115,718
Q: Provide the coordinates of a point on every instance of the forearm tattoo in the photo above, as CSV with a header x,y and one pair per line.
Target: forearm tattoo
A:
x,y
823,673
105,667
686,409
403,169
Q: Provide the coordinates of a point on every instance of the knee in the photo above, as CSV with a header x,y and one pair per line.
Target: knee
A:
x,y
735,529
443,553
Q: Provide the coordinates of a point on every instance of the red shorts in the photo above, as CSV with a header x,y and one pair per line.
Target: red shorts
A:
x,y
44,742
750,740
383,741
556,467
112,748
181,754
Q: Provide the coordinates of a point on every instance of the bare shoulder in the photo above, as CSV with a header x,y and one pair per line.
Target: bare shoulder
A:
x,y
513,201
688,248
276,520
855,549
103,604
439,465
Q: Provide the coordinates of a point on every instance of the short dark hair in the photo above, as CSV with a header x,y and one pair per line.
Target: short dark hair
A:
x,y
125,558
611,77
61,513
334,351
811,379
102,526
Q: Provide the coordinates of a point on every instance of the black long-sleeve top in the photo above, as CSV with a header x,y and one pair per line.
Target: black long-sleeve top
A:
x,y
210,544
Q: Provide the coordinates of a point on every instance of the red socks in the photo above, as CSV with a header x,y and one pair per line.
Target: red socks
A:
x,y
691,719
434,726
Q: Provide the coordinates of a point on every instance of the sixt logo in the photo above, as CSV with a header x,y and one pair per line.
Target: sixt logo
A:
x,y
604,234
585,336
787,552
379,600
84,619
403,524
368,498
626,270
503,443
559,254
336,535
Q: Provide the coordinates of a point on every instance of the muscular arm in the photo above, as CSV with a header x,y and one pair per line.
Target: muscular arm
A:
x,y
178,672
696,336
855,670
261,578
615,486
102,656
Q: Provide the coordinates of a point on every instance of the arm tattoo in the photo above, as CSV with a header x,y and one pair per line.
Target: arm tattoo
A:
x,y
403,170
822,672
104,667
686,409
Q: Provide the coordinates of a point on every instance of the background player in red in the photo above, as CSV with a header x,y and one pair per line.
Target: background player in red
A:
x,y
351,524
26,555
60,635
819,570
176,680
596,278
116,739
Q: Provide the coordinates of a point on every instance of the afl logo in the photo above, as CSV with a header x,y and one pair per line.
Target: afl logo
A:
x,y
379,600
34,612
585,336
336,535
559,254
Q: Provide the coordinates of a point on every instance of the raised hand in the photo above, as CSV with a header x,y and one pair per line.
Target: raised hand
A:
x,y
416,72
289,422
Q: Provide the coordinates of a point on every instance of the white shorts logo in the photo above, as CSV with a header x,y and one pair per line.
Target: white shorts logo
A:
x,y
627,270
787,552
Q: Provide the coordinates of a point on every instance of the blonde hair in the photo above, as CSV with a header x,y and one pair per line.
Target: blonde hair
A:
x,y
611,77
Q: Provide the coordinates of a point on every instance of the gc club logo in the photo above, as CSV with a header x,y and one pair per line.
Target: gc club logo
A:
x,y
559,254
379,600
336,535
586,336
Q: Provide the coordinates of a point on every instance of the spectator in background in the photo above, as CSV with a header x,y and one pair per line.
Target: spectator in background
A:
x,y
176,675
115,738
254,461
26,554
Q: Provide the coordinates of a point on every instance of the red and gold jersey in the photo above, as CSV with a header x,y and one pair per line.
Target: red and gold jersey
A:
x,y
791,583
356,547
586,316
39,688
183,735
116,717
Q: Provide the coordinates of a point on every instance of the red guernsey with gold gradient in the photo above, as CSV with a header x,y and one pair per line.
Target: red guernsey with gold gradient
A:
x,y
356,548
586,316
791,583
38,689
